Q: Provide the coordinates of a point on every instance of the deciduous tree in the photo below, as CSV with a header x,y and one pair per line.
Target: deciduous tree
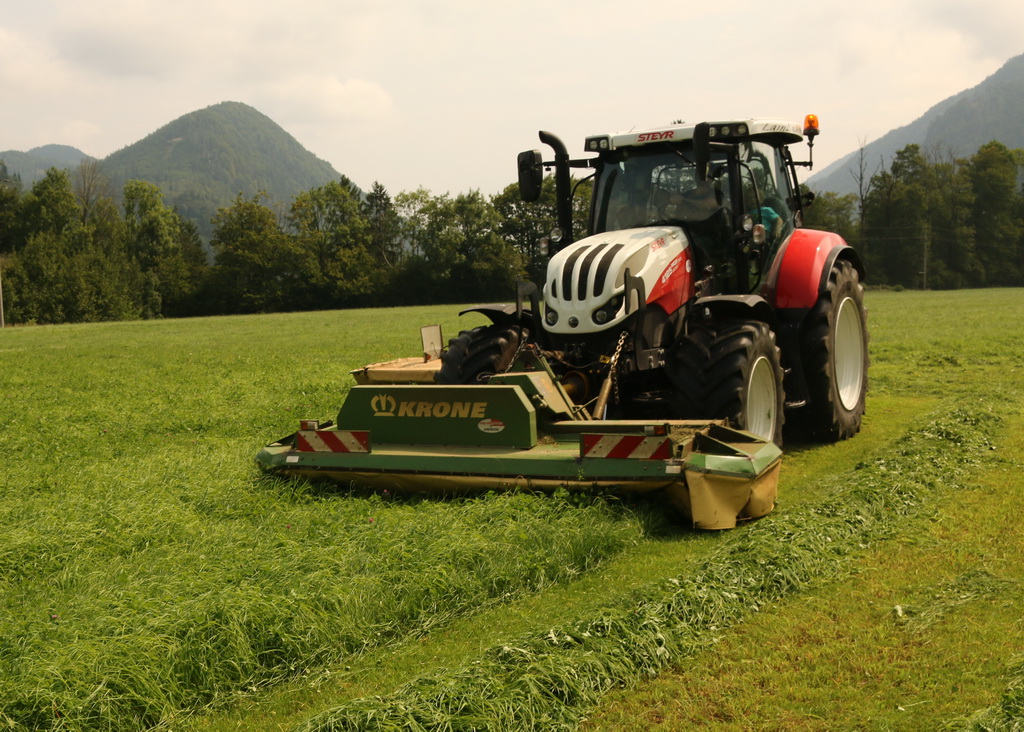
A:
x,y
329,226
258,266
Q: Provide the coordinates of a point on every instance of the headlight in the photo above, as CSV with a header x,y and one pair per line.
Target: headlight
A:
x,y
550,317
608,311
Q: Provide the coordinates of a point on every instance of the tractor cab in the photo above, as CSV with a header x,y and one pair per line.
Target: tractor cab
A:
x,y
730,186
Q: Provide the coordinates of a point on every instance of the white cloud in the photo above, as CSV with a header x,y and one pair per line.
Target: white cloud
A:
x,y
27,68
990,30
307,98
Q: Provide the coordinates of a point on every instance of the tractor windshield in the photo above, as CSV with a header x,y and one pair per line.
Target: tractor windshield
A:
x,y
656,184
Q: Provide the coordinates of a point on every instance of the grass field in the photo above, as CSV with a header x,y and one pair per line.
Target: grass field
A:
x,y
151,577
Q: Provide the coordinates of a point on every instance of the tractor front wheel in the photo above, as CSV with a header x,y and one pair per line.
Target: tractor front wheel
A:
x,y
476,355
835,353
732,370
744,379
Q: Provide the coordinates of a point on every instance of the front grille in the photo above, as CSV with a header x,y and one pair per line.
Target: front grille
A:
x,y
567,273
602,269
577,268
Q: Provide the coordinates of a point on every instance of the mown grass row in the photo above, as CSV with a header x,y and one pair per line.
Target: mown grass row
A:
x,y
1008,714
129,635
550,680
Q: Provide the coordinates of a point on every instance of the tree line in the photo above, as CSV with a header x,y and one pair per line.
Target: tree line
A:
x,y
73,251
69,252
934,221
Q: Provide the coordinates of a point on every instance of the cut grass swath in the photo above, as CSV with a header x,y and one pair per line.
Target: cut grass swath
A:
x,y
549,681
950,596
1007,715
135,646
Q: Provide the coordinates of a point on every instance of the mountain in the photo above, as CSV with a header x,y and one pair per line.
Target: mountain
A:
x,y
960,125
32,165
203,160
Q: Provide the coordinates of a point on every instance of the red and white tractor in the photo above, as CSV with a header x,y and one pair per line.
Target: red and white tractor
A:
x,y
698,293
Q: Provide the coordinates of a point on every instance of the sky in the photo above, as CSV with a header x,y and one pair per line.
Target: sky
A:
x,y
442,94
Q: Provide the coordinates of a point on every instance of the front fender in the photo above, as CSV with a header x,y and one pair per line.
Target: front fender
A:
x,y
735,307
501,313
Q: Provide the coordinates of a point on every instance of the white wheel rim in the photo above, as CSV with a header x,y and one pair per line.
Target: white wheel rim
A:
x,y
762,399
848,353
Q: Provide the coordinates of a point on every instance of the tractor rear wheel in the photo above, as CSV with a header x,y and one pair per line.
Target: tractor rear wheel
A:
x,y
834,345
732,370
476,355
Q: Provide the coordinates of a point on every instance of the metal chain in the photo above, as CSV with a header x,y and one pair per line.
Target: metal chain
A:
x,y
523,339
614,365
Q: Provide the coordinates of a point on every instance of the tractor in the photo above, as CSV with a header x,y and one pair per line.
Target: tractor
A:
x,y
698,293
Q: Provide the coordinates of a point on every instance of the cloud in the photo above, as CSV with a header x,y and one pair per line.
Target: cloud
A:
x,y
28,69
990,29
111,54
325,99
188,39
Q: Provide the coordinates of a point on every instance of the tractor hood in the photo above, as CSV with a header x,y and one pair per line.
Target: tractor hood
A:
x,y
584,291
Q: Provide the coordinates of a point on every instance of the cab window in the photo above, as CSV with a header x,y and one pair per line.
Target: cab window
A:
x,y
656,185
766,190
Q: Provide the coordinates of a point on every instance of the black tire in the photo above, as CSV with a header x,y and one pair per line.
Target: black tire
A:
x,y
834,347
690,360
735,369
477,354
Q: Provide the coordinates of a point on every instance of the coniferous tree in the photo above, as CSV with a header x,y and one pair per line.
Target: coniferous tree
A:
x,y
952,262
896,225
385,226
996,217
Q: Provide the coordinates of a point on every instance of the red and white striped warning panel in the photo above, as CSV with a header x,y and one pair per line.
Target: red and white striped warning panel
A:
x,y
625,446
332,441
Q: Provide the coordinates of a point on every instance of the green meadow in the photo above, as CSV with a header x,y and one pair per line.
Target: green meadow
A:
x,y
152,577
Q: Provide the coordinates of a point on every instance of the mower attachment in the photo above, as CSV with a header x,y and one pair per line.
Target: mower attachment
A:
x,y
520,432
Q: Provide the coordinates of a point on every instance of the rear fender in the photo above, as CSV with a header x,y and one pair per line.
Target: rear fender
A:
x,y
795,281
801,269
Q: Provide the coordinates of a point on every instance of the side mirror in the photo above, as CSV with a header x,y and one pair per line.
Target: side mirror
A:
x,y
531,175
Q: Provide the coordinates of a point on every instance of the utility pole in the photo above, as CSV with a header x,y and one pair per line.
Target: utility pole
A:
x,y
926,238
4,181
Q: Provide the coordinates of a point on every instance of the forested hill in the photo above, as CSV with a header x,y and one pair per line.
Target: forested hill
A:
x,y
203,160
960,125
28,167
